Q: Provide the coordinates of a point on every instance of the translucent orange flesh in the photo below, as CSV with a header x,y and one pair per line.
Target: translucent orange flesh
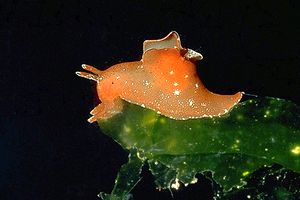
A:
x,y
163,81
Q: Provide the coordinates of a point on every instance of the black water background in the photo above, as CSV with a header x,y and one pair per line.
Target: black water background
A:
x,y
48,150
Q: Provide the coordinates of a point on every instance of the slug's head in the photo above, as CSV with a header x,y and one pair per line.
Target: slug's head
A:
x,y
171,41
108,84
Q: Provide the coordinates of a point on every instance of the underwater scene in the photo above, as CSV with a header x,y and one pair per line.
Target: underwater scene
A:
x,y
123,100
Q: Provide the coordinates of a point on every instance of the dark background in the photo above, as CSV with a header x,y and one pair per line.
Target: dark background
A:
x,y
47,148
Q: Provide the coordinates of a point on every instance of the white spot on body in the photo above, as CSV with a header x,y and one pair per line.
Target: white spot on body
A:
x,y
176,92
191,102
171,72
175,84
146,82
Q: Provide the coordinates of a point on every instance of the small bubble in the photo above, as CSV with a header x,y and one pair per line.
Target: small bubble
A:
x,y
195,180
272,139
246,173
239,117
126,129
176,184
162,121
296,150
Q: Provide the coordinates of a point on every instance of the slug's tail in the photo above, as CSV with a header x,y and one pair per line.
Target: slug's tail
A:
x,y
95,76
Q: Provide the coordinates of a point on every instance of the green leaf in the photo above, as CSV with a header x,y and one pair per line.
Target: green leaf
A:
x,y
272,182
128,177
253,134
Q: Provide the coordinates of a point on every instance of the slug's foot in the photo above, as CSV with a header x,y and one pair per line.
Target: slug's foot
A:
x,y
105,110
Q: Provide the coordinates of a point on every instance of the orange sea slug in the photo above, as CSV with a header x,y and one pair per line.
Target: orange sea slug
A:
x,y
164,80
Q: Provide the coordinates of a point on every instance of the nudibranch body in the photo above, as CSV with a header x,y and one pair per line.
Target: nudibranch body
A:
x,y
164,80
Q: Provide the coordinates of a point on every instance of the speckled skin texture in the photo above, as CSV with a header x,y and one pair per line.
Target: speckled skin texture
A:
x,y
165,80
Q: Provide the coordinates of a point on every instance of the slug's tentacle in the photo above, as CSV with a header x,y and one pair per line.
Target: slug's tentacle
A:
x,y
91,69
88,76
96,76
